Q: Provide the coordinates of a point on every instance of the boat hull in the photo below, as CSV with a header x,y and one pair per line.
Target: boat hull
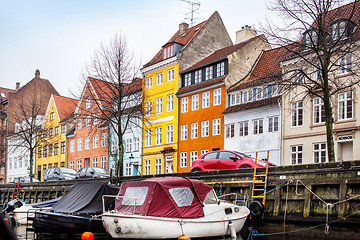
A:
x,y
214,224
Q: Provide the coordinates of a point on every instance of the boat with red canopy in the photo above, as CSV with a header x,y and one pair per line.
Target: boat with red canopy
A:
x,y
168,207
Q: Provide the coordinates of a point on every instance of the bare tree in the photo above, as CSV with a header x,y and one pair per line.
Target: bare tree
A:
x,y
118,94
320,37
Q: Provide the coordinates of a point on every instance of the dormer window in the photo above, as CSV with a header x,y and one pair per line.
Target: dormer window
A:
x,y
341,29
310,38
169,51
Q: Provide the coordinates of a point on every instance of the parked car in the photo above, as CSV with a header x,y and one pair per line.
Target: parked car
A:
x,y
59,173
24,180
92,172
224,159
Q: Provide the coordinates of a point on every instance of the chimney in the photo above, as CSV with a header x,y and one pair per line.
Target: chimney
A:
x,y
17,85
244,34
182,27
37,73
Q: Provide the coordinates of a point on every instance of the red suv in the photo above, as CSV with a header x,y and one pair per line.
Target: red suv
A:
x,y
224,159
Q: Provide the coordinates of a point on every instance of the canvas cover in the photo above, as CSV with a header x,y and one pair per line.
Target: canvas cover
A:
x,y
85,198
171,197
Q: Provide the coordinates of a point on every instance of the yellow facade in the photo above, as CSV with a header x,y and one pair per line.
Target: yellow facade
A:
x,y
161,156
54,142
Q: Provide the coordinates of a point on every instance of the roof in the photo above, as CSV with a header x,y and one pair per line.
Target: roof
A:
x,y
220,54
133,87
65,106
249,105
201,85
182,39
6,91
267,68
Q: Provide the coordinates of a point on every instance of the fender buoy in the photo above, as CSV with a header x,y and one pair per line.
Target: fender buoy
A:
x,y
87,236
256,208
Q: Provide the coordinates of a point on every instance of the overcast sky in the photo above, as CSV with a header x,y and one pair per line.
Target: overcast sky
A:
x,y
59,37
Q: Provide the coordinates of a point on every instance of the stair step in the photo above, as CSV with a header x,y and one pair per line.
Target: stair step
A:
x,y
259,189
258,196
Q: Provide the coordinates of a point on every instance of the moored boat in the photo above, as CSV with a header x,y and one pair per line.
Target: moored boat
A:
x,y
165,208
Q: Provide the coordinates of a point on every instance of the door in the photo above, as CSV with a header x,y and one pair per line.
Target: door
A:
x,y
225,162
347,151
87,162
169,164
210,161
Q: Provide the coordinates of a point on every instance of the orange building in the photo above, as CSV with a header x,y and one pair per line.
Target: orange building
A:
x,y
88,139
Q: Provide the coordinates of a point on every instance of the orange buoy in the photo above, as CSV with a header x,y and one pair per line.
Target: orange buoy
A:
x,y
184,237
87,236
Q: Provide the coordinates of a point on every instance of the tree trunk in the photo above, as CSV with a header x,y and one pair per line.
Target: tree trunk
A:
x,y
329,121
31,165
120,162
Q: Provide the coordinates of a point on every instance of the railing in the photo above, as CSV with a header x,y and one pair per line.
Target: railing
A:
x,y
116,198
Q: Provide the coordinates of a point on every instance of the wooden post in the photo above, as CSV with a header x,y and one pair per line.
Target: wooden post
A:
x,y
277,201
342,196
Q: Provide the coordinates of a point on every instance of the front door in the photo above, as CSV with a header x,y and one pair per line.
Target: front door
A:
x,y
87,162
169,161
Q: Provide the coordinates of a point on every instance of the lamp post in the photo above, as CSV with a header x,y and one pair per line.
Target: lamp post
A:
x,y
131,159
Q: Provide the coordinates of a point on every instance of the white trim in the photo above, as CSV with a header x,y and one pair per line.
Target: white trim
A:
x,y
160,120
160,65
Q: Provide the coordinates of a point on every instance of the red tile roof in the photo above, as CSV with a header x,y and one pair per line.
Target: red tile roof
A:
x,y
65,106
6,91
133,87
201,85
222,53
262,102
105,91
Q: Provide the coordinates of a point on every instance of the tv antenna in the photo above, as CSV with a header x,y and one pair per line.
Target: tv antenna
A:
x,y
194,7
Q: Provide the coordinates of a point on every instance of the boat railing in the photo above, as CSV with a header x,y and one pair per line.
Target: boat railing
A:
x,y
116,198
236,200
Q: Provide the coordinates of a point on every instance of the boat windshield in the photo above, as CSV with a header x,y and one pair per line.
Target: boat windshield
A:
x,y
182,196
134,196
211,198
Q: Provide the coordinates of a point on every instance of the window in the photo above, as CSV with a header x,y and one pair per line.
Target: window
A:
x,y
193,156
88,121
159,105
44,151
157,165
170,133
297,114
169,52
51,132
136,144
170,103
159,78
205,128
88,102
56,130
62,147
148,108
311,38
147,166
10,163
158,136
51,116
79,144
345,63
96,119
204,151
216,126
171,75
15,162
296,154
80,123
183,159
26,160
103,162
220,69
297,76
319,152
20,162
103,139
72,145
127,169
244,128
208,73
184,104
230,130
78,164
56,148
87,143
149,82
72,164
217,97
341,29
205,99
183,132
345,106
94,162
273,124
198,76
258,126
63,128
187,80
147,137
194,130
194,102
128,145
318,110
50,150
95,141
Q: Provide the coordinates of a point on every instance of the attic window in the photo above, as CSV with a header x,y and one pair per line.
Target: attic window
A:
x,y
310,38
341,29
169,51
2,94
183,35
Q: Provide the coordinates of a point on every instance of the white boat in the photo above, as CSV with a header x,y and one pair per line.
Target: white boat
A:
x,y
163,208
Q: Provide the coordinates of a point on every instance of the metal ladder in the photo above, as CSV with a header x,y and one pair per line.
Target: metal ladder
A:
x,y
30,224
260,182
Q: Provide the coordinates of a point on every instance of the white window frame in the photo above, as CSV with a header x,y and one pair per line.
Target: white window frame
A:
x,y
205,128
195,102
88,102
87,143
88,121
94,162
319,152
258,126
136,144
159,79
170,74
346,64
318,111
95,141
184,132
344,100
72,145
103,139
78,164
220,69
147,167
296,154
148,107
170,103
297,114
128,145
205,99
103,162
170,133
243,128
158,136
209,73
147,137
159,105
194,130
149,82
273,124
217,97
158,165
184,104
183,159
230,130
79,144
187,79
198,76
216,127
193,157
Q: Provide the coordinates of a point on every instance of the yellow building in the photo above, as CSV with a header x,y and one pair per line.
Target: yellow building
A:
x,y
52,151
161,82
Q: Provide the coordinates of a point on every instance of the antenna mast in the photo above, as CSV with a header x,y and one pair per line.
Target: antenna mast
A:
x,y
193,4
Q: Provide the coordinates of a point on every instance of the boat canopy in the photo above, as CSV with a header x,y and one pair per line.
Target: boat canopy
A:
x,y
85,198
172,197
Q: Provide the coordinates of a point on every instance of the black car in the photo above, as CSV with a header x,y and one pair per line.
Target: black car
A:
x,y
92,172
59,173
